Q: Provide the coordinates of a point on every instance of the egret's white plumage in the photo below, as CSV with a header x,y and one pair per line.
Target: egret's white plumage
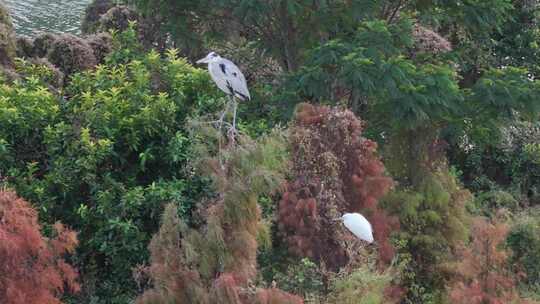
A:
x,y
358,225
227,76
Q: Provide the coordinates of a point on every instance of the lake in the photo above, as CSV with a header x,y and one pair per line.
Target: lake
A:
x,y
58,16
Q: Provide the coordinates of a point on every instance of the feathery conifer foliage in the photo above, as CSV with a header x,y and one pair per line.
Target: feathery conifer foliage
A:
x,y
216,263
334,170
484,276
433,223
362,286
32,267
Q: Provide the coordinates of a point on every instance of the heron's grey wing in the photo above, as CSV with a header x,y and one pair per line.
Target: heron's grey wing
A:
x,y
220,78
236,78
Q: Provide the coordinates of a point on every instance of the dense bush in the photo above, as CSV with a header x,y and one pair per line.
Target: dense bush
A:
x,y
433,223
304,278
92,14
362,286
65,53
105,157
32,265
524,241
107,15
42,45
509,162
489,202
71,54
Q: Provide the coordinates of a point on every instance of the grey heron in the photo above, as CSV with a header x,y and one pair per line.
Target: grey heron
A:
x,y
228,78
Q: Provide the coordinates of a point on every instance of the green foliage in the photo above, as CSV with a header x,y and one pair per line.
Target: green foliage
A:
x,y
371,67
26,109
500,92
519,38
42,69
433,222
524,241
106,155
508,162
303,278
284,29
489,202
363,286
127,46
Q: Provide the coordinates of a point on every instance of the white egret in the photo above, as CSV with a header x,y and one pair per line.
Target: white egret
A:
x,y
228,78
359,226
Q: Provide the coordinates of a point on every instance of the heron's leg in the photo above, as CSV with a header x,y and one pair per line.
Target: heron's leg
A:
x,y
232,129
234,114
220,120
220,124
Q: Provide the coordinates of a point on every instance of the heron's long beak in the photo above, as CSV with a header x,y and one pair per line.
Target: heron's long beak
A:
x,y
203,60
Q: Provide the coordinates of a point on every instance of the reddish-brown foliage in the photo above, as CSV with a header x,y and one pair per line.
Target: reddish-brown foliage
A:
x,y
178,279
226,289
31,266
276,296
335,170
428,41
482,270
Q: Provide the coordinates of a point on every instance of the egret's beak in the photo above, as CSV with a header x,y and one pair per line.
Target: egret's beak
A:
x,y
203,60
337,219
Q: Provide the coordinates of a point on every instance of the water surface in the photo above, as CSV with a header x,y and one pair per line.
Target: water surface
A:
x,y
31,17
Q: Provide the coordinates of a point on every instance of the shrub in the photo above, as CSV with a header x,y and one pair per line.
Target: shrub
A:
x,y
117,18
65,54
101,45
33,269
524,241
362,286
334,170
25,47
107,15
304,278
71,54
509,162
92,14
43,44
105,156
47,71
491,201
